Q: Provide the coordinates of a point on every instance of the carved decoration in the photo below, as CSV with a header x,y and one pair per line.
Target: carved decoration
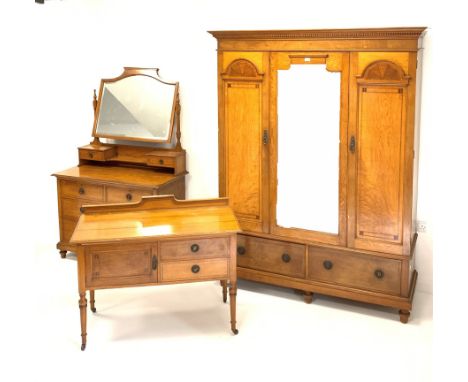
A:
x,y
384,72
242,68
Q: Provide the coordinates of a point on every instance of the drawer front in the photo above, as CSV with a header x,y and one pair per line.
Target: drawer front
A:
x,y
194,249
124,195
92,155
82,190
71,207
355,270
120,265
271,256
194,270
160,161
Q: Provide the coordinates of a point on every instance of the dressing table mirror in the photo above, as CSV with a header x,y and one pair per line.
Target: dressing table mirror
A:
x,y
136,149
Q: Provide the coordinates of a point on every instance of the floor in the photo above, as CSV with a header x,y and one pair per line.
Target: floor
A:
x,y
182,332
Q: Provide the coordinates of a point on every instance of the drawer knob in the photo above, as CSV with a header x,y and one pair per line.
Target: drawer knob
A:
x,y
81,190
286,258
81,209
194,247
241,250
129,196
379,273
327,264
161,161
195,268
90,155
154,262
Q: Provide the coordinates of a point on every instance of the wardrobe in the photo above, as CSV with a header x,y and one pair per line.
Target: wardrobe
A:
x,y
317,138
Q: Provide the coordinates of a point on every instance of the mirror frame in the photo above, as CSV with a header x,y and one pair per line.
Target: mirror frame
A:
x,y
130,72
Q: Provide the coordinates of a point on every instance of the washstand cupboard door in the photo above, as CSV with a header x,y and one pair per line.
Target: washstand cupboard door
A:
x,y
243,137
380,156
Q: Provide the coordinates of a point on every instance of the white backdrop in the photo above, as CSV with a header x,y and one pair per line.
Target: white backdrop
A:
x,y
53,56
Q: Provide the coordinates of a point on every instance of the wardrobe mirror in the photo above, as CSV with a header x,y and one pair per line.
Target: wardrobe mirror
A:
x,y
308,142
136,106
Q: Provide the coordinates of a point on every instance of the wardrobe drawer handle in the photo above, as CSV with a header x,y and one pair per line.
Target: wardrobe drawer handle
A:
x,y
195,268
327,264
379,273
129,196
286,258
194,247
81,190
241,250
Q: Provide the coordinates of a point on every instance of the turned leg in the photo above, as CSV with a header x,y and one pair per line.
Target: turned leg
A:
x,y
224,285
82,305
232,302
404,316
308,297
91,301
63,254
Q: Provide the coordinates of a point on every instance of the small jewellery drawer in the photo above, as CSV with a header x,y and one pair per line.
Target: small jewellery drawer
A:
x,y
194,249
123,195
354,270
82,190
160,161
271,256
102,153
192,270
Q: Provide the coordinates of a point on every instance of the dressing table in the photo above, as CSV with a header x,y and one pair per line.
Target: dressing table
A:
x,y
158,240
137,114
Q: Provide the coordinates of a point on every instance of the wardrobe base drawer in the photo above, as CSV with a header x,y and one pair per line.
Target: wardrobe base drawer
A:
x,y
271,256
355,270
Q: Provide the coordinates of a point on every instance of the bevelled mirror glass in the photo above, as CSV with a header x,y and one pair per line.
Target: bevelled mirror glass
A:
x,y
136,106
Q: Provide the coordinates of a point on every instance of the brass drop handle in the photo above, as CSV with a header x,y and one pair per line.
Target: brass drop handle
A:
x,y
286,258
154,262
194,247
81,190
129,196
195,268
241,250
327,264
352,144
379,273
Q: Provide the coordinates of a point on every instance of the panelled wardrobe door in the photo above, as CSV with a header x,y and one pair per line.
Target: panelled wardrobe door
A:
x,y
380,151
244,137
309,121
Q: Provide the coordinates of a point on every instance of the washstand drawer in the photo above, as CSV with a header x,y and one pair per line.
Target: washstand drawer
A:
x,y
354,270
194,249
271,256
122,265
123,195
194,270
82,190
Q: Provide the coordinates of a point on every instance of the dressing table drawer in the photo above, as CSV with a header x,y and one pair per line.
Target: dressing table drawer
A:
x,y
124,195
271,256
97,153
194,270
82,190
194,249
355,270
160,161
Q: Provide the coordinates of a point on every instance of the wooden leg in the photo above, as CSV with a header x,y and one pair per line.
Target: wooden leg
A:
x,y
308,297
224,285
91,301
63,254
82,304
404,316
232,302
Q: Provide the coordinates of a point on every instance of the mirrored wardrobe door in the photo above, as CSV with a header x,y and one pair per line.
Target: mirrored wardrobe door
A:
x,y
310,121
